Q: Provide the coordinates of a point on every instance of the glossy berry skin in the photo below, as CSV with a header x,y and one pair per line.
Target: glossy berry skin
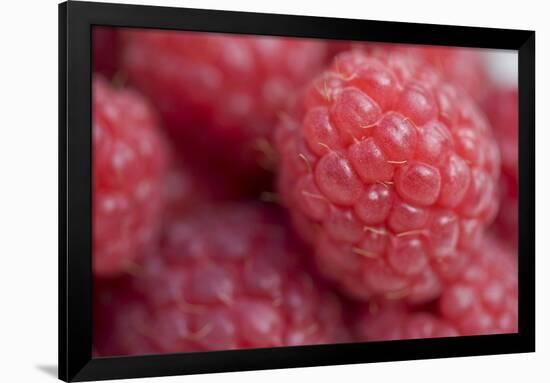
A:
x,y
386,170
231,87
479,298
501,106
128,166
229,277
104,50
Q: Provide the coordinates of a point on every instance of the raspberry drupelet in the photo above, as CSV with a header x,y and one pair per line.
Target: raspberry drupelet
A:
x,y
128,167
229,88
386,170
229,277
479,298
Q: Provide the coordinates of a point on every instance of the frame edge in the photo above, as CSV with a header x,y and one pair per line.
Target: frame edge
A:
x,y
75,362
75,284
62,196
526,235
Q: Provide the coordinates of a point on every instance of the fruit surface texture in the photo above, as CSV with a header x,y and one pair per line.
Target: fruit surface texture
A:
x,y
480,298
220,94
389,172
501,106
228,278
128,165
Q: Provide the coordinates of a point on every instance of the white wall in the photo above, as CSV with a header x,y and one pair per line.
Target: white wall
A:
x,y
28,189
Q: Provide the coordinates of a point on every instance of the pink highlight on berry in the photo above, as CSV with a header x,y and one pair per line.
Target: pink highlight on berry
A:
x,y
418,183
353,112
396,136
370,162
337,179
374,205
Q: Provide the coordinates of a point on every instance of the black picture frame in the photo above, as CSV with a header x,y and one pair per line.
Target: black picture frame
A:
x,y
75,224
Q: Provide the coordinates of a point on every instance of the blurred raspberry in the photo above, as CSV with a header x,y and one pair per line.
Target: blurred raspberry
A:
x,y
385,170
128,166
104,50
464,68
397,321
231,87
230,277
501,106
480,298
335,47
506,223
112,296
483,298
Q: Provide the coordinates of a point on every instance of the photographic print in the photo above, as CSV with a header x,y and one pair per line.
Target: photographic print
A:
x,y
247,191
260,191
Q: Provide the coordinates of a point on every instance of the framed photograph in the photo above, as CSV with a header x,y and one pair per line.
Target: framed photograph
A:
x,y
244,191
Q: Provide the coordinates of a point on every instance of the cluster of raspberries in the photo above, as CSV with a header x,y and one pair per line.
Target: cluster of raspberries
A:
x,y
263,191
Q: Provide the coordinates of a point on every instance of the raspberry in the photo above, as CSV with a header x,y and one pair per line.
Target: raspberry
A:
x,y
501,107
506,222
104,50
230,277
232,87
483,298
397,321
479,298
385,170
462,67
128,166
112,296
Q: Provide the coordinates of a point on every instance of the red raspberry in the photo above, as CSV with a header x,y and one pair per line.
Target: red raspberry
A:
x,y
128,165
397,321
480,298
231,86
501,107
506,223
386,170
112,296
230,277
104,50
463,67
483,298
